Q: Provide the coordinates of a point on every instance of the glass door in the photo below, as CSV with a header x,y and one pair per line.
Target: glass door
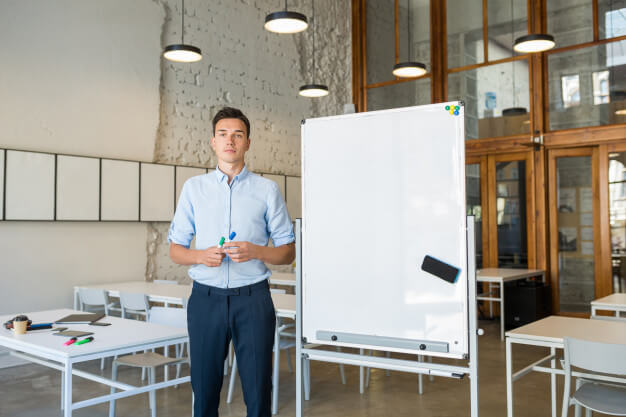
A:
x,y
476,190
573,209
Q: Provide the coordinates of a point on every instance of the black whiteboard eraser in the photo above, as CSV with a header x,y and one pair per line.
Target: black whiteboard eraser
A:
x,y
440,269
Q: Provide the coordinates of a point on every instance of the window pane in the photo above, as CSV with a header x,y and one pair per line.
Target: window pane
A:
x,y
474,206
611,18
617,218
410,93
570,21
507,21
575,240
413,36
587,86
380,40
511,214
464,24
490,91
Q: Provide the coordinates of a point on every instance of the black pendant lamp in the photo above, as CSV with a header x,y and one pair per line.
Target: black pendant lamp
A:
x,y
313,90
534,43
285,21
409,69
180,52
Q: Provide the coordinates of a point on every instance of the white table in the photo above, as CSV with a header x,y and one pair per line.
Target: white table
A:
x,y
496,277
284,304
614,302
550,332
283,278
121,337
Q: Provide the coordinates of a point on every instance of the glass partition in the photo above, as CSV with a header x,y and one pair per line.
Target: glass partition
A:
x,y
511,214
617,218
409,93
464,24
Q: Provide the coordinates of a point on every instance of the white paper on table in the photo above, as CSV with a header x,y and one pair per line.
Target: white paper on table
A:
x,y
586,219
586,233
587,248
586,199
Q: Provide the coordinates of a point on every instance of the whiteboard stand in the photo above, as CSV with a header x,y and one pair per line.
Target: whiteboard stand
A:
x,y
427,368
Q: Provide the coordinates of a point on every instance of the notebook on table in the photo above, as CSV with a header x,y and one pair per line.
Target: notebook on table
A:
x,y
83,318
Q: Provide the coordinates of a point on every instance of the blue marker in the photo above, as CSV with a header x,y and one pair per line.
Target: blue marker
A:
x,y
232,235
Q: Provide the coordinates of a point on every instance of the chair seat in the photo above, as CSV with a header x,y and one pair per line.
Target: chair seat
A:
x,y
147,359
602,398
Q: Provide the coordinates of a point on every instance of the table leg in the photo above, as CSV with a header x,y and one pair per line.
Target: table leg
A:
x,y
509,379
361,375
67,393
490,301
62,388
553,382
75,299
166,371
501,311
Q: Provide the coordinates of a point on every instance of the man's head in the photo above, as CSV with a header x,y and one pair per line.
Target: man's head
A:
x,y
231,135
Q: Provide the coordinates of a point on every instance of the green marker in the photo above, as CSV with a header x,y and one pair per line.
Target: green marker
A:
x,y
222,240
87,340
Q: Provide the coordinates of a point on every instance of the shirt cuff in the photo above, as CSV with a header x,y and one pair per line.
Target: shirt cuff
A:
x,y
179,238
280,241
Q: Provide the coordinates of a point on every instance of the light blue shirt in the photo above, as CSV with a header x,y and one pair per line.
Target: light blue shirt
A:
x,y
209,208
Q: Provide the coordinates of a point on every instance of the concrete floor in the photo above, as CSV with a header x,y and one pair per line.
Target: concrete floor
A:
x,y
34,391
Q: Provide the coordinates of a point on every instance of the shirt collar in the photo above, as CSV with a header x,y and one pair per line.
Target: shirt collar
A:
x,y
221,176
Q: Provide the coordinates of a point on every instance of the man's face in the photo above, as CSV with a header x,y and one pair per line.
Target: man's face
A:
x,y
231,141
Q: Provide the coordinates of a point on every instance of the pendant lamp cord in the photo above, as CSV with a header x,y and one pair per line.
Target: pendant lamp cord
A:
x,y
408,25
314,23
183,24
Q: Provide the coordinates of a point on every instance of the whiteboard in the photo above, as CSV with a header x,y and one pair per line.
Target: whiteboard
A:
x,y
29,186
120,190
78,188
1,184
380,191
183,174
157,192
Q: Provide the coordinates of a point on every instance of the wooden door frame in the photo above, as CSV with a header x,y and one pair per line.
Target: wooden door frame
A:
x,y
531,229
598,236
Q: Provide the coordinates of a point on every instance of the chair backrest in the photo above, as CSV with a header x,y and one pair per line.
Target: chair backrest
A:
x,y
93,296
165,281
595,356
169,316
134,302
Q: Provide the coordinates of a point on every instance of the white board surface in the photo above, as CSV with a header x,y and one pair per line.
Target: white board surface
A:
x,y
2,184
120,190
157,192
29,186
183,174
381,190
78,188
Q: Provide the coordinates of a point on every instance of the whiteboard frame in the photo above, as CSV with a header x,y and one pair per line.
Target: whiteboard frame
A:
x,y
441,334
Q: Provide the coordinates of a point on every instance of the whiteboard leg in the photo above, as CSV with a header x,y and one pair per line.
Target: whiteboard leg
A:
x,y
420,388
299,339
509,379
387,373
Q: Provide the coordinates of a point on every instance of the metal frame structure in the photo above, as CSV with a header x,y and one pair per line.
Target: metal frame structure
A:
x,y
416,367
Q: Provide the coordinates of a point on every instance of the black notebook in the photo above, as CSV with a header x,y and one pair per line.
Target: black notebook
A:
x,y
85,318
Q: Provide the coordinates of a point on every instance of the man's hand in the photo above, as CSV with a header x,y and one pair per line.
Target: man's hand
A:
x,y
242,251
211,257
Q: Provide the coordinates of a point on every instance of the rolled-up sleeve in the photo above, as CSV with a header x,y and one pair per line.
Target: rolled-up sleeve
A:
x,y
279,226
182,228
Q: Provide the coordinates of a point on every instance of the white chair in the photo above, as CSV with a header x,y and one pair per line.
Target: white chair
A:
x,y
594,392
175,317
96,299
136,304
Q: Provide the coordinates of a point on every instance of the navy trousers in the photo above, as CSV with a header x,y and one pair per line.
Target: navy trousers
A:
x,y
214,317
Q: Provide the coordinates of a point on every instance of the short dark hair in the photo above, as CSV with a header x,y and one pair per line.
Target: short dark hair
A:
x,y
231,113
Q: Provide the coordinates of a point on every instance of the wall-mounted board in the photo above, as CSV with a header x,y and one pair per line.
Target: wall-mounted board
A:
x,y
78,188
294,197
183,174
157,192
2,152
120,190
279,180
395,194
29,186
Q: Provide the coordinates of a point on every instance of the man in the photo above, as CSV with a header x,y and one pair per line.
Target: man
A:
x,y
231,297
